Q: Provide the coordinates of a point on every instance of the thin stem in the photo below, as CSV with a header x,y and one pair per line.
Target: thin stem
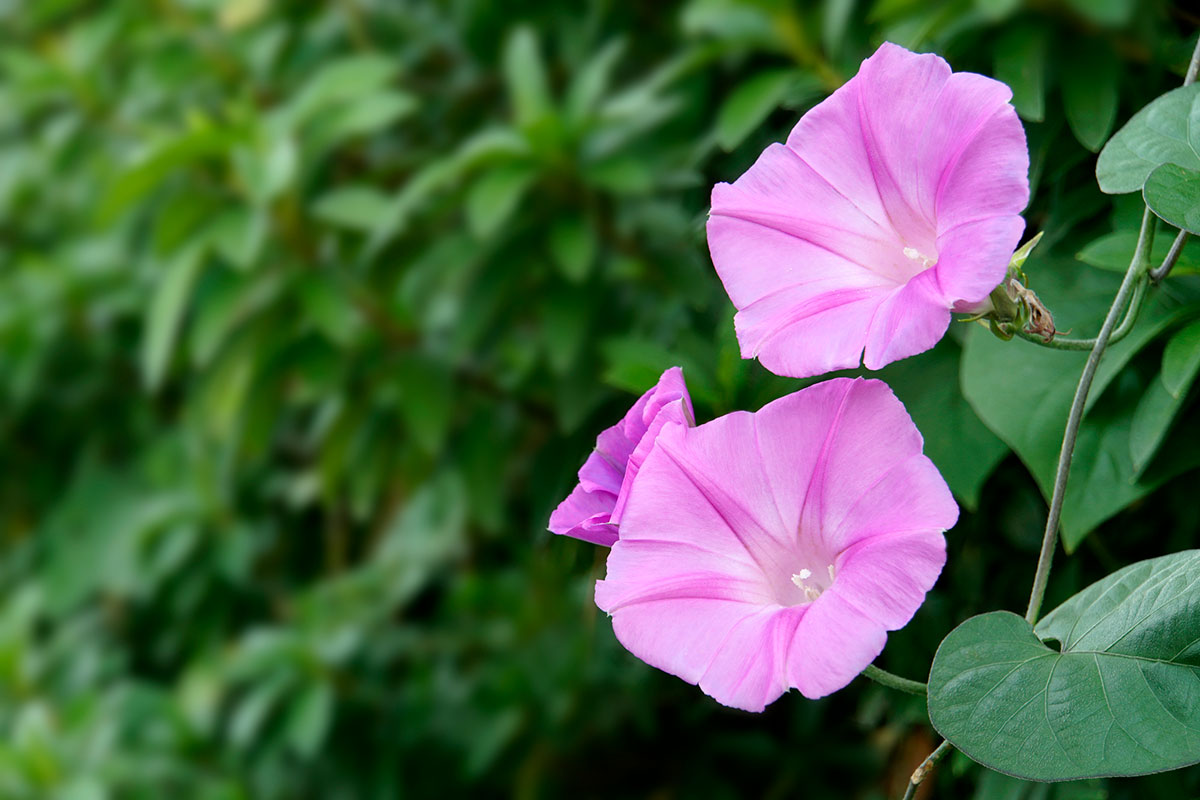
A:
x,y
1193,65
1164,269
922,771
1133,276
894,681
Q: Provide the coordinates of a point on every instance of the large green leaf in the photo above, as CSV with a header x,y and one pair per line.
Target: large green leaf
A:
x,y
961,446
1158,134
1023,393
1173,193
1120,695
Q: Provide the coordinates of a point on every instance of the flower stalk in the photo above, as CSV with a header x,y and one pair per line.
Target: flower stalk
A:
x,y
1134,276
892,681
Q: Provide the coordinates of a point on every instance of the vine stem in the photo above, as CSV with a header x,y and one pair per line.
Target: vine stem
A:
x,y
891,681
1133,276
922,771
1164,269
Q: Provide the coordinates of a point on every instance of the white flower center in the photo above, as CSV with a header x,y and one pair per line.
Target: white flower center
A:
x,y
917,255
812,589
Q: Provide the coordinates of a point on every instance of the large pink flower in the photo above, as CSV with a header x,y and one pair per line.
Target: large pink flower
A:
x,y
894,201
768,551
593,509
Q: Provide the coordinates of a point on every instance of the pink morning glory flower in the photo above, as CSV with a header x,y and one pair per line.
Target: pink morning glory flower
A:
x,y
774,550
894,201
593,509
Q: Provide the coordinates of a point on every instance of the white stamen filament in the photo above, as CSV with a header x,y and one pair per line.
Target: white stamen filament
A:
x,y
917,255
810,592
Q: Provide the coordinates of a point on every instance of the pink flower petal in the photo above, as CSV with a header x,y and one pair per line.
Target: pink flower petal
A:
x,y
819,241
886,577
750,552
913,319
833,643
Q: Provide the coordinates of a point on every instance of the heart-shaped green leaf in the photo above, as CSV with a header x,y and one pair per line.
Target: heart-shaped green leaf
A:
x,y
1158,134
1120,697
1173,193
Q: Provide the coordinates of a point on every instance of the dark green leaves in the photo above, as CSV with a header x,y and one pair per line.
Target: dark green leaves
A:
x,y
1113,251
1089,88
1119,696
748,106
961,446
1023,392
1158,134
1021,63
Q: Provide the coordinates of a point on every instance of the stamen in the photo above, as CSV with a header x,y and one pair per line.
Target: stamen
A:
x,y
810,592
917,255
832,576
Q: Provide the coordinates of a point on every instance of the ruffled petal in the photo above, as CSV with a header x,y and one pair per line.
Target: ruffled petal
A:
x,y
585,515
871,434
974,258
910,495
833,643
886,577
705,487
897,89
911,320
989,178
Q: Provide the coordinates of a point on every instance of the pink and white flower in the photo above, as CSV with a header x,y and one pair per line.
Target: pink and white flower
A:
x,y
893,202
774,550
593,509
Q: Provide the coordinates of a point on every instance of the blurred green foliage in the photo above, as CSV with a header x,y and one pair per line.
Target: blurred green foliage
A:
x,y
310,311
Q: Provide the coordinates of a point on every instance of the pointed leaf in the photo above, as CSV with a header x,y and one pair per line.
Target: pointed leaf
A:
x,y
1089,85
525,74
165,315
1021,63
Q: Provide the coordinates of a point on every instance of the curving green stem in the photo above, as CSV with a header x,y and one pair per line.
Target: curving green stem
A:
x,y
1134,277
894,681
1164,269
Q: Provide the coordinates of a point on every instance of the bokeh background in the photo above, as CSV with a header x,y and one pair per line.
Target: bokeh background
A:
x,y
309,311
